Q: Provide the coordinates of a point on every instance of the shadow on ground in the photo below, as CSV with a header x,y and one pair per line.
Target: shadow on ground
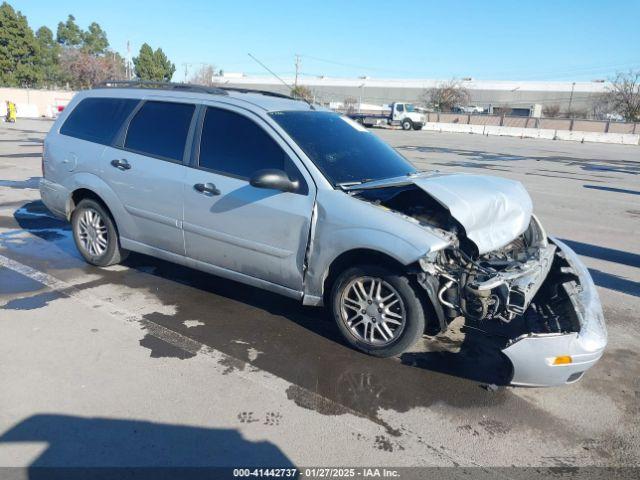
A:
x,y
608,280
79,447
586,164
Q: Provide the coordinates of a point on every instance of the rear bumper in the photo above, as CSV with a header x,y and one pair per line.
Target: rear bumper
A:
x,y
55,197
532,355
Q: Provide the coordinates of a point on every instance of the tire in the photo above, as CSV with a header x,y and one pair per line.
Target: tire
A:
x,y
407,124
356,320
95,234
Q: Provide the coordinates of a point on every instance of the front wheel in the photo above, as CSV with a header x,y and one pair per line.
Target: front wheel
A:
x,y
377,310
95,234
407,124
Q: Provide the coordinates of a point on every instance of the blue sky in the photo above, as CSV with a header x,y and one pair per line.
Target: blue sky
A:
x,y
493,40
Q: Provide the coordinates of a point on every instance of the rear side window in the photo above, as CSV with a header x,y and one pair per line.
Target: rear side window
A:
x,y
233,144
98,119
160,129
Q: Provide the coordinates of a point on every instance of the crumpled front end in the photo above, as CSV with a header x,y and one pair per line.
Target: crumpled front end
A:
x,y
557,358
534,294
500,271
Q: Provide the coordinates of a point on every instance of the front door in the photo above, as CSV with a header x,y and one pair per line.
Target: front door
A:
x,y
229,223
398,111
147,174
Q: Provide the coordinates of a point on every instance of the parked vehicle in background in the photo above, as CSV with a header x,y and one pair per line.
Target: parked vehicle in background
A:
x,y
468,109
265,190
398,113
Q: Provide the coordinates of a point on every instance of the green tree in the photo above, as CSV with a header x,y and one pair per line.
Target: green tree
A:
x,y
154,66
95,40
19,50
69,33
49,57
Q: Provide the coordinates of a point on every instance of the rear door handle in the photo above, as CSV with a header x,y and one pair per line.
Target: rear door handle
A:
x,y
206,189
120,164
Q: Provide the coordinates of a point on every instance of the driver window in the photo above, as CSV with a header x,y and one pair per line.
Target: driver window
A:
x,y
235,145
400,108
232,144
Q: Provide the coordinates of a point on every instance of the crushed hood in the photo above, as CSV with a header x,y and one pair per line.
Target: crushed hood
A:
x,y
492,210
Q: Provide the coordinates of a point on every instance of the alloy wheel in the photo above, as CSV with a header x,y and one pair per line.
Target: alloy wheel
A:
x,y
372,310
92,232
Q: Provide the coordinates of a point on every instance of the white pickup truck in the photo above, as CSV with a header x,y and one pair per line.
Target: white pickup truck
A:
x,y
398,113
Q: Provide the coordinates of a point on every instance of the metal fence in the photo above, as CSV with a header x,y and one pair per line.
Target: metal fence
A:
x,y
570,124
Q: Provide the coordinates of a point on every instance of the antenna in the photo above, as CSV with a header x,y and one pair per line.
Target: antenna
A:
x,y
269,70
283,82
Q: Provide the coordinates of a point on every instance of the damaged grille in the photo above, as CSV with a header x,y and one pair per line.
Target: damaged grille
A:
x,y
497,285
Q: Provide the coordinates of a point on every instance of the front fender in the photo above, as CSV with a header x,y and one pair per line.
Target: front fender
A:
x,y
326,249
345,224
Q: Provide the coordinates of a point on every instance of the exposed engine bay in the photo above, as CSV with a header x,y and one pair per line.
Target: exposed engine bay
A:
x,y
513,284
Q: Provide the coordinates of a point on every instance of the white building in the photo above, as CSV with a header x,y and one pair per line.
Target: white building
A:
x,y
485,93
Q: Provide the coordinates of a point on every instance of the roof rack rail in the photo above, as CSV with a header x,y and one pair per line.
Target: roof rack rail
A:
x,y
186,87
262,92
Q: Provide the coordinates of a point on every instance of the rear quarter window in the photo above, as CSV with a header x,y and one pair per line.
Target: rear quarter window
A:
x,y
98,119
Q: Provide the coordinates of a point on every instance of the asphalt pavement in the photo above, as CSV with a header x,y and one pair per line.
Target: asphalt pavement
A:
x,y
148,363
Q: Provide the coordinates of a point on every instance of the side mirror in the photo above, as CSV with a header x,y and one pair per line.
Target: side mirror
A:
x,y
273,179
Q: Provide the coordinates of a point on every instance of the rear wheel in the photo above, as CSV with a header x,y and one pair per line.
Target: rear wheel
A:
x,y
377,310
95,234
407,124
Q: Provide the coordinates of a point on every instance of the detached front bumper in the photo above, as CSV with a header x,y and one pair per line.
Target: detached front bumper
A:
x,y
533,355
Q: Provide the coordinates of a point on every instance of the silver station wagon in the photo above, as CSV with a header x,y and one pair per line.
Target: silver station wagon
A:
x,y
276,193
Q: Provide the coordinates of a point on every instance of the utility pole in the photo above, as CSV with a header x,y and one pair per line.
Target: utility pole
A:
x,y
186,71
295,82
573,85
128,69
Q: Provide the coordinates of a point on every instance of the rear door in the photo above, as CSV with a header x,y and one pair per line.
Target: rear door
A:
x,y
257,232
146,171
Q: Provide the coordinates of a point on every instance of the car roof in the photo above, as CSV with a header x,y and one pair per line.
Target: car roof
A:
x,y
253,100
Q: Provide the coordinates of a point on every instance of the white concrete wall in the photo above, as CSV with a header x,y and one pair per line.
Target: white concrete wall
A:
x,y
575,136
34,103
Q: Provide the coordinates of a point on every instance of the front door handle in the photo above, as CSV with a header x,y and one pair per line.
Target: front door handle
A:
x,y
120,164
206,189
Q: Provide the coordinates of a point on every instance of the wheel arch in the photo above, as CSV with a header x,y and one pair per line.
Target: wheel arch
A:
x,y
83,193
369,256
357,256
86,185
